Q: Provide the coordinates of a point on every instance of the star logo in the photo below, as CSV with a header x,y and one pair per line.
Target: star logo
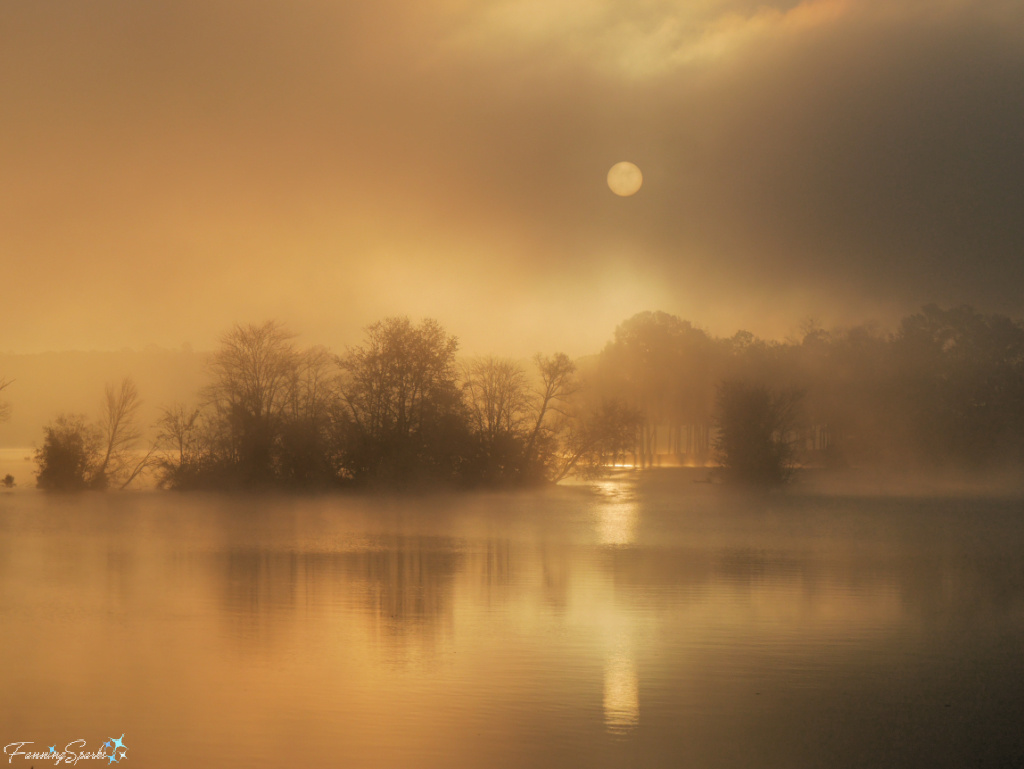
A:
x,y
116,743
53,748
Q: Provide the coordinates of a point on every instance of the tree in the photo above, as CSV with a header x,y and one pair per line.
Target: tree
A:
x,y
119,435
69,454
498,400
183,448
557,385
597,438
960,386
5,407
497,397
253,372
307,449
403,412
78,455
756,432
662,365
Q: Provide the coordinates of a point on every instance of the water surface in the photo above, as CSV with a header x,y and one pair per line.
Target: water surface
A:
x,y
622,623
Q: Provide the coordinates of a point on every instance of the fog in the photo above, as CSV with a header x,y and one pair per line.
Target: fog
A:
x,y
173,168
935,404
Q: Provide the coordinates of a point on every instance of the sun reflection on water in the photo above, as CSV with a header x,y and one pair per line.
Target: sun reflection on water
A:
x,y
618,515
621,692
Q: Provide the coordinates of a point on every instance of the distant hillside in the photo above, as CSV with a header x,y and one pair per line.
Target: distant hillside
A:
x,y
46,384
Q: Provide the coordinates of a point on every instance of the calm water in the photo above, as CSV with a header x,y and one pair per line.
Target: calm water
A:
x,y
617,624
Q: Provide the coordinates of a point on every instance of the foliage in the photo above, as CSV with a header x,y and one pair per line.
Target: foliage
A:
x,y
252,373
404,417
663,368
598,438
77,455
498,403
267,417
399,409
756,432
69,455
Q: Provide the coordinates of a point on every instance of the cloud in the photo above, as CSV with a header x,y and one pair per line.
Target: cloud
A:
x,y
634,40
176,167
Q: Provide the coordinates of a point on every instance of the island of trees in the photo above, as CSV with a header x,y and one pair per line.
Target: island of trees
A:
x,y
402,410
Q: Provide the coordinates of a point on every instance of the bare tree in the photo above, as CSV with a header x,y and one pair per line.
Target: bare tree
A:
x,y
307,449
120,435
597,437
253,368
557,385
181,447
393,379
497,396
403,406
252,376
5,407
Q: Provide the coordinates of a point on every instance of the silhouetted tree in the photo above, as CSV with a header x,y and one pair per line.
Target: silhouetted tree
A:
x,y
184,455
270,417
756,431
119,434
309,448
404,418
960,385
69,455
498,399
558,383
596,438
5,407
664,367
253,372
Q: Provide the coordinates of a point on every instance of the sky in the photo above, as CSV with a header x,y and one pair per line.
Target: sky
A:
x,y
172,167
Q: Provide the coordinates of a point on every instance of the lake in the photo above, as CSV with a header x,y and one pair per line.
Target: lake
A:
x,y
640,621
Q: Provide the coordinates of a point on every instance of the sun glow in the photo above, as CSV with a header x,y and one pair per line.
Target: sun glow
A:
x,y
625,179
621,692
618,516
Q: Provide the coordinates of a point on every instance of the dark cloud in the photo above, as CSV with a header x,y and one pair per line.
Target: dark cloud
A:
x,y
171,168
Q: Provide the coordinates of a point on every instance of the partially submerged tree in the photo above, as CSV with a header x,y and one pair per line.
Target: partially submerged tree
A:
x,y
757,430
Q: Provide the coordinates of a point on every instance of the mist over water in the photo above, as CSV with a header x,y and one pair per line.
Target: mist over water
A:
x,y
352,414
639,621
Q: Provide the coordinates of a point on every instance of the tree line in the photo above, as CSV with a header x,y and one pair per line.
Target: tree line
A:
x,y
397,411
945,389
401,410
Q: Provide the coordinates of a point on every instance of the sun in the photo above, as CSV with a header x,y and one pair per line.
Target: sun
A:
x,y
624,179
